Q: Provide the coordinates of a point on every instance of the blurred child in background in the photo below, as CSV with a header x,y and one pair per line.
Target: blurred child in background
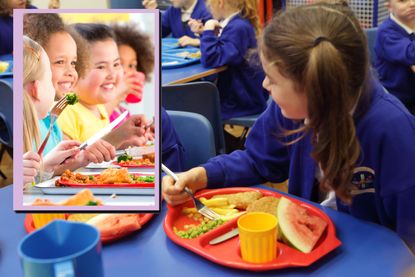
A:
x,y
6,22
137,59
175,19
395,51
241,92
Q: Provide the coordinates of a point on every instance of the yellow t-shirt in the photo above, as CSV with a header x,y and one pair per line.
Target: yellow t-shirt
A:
x,y
79,123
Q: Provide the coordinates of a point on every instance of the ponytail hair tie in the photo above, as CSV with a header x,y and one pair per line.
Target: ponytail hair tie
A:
x,y
320,39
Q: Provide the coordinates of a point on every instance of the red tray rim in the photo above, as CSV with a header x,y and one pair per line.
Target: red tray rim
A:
x,y
133,166
134,185
144,218
329,243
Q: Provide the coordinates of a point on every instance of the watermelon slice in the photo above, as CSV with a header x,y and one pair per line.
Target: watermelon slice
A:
x,y
299,228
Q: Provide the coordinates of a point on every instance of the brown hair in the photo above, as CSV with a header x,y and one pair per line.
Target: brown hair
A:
x,y
130,35
249,11
324,51
32,71
6,10
41,26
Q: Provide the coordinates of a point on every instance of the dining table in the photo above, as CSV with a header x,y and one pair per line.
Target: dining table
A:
x,y
367,249
188,73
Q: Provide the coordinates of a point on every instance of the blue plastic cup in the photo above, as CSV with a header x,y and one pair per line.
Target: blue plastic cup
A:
x,y
62,249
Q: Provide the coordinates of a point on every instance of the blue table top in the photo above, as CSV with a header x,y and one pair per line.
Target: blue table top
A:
x,y
367,250
187,73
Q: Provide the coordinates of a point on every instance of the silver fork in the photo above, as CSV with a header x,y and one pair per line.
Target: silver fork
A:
x,y
202,209
54,113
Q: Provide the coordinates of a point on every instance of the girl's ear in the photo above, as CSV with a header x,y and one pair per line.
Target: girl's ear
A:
x,y
33,89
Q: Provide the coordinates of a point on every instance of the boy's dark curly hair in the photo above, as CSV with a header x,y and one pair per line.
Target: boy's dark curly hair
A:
x,y
5,10
129,34
41,26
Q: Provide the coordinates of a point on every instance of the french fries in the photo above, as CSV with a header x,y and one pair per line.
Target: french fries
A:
x,y
220,206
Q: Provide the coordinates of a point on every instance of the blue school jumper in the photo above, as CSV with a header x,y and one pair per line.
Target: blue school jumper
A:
x,y
172,149
171,20
6,33
395,51
240,86
384,179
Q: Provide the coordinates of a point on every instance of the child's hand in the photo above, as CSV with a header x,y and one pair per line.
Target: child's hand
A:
x,y
150,4
135,83
31,166
196,26
413,68
100,151
212,25
64,152
150,133
173,192
130,133
185,41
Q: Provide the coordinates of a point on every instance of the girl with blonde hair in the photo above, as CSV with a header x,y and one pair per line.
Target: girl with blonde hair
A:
x,y
38,96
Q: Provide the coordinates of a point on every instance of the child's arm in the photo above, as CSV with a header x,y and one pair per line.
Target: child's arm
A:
x,y
65,151
395,48
130,133
264,159
165,24
228,49
186,40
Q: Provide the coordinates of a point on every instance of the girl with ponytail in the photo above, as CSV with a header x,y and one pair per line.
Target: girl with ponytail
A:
x,y
229,43
332,130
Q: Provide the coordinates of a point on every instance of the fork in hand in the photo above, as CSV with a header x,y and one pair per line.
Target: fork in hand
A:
x,y
202,209
54,113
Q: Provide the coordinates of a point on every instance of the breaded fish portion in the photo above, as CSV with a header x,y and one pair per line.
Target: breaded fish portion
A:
x,y
267,204
241,200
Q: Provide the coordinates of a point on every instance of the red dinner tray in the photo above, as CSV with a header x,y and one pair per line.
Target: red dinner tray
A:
x,y
228,254
134,185
132,165
144,218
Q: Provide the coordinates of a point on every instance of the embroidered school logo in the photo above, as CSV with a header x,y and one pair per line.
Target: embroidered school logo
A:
x,y
363,180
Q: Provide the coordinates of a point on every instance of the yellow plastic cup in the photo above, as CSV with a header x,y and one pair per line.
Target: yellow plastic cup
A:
x,y
258,237
40,220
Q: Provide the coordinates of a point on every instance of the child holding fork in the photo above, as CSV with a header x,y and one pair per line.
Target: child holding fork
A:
x,y
331,130
38,97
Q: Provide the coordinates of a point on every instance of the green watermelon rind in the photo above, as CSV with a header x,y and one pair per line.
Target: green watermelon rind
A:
x,y
286,228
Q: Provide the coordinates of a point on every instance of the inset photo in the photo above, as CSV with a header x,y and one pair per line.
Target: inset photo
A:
x,y
86,110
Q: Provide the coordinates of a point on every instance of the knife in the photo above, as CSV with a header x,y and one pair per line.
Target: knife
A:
x,y
224,237
103,132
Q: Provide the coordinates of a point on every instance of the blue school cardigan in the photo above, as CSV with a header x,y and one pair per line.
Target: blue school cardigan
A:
x,y
240,86
6,33
172,149
171,20
395,51
384,178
